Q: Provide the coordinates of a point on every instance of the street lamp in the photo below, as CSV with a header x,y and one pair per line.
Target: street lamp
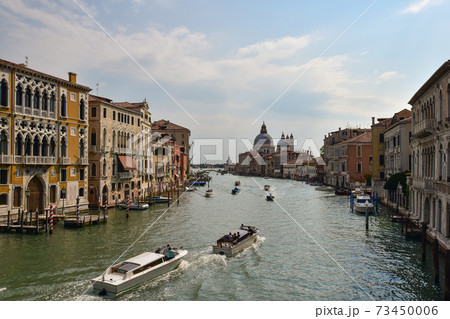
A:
x,y
63,195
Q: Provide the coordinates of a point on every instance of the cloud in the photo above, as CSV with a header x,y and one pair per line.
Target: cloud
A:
x,y
389,75
419,6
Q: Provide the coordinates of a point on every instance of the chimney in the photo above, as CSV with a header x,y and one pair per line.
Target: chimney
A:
x,y
373,120
72,77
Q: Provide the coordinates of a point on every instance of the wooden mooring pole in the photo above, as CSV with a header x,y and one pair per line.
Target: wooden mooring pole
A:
x,y
46,220
7,222
37,221
436,260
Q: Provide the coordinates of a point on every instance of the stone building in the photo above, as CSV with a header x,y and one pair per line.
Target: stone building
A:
x,y
43,140
430,146
119,151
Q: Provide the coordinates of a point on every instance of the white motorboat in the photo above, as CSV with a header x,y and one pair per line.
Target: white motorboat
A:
x,y
191,189
135,271
228,245
136,206
266,187
324,189
159,199
209,192
362,203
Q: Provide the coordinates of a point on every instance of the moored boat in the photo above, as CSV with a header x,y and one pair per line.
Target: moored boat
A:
x,y
235,191
191,189
324,189
136,206
363,202
342,191
236,241
135,271
198,183
209,192
159,199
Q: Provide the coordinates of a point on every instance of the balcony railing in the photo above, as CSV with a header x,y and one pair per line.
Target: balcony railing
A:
x,y
83,161
125,174
6,159
43,160
105,149
64,160
424,128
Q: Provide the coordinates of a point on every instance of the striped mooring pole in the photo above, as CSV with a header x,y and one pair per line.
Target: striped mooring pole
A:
x,y
78,208
51,219
105,207
128,204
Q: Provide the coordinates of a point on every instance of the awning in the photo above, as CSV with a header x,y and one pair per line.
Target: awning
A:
x,y
127,162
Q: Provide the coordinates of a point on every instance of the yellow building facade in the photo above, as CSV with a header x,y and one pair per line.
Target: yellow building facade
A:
x,y
43,132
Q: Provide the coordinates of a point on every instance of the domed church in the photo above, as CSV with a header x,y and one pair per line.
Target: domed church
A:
x,y
263,143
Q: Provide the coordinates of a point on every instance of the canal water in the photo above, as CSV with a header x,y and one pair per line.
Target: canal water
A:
x,y
311,247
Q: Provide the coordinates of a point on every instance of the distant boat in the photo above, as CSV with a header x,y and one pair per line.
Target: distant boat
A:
x,y
159,199
136,206
229,246
270,198
135,271
324,189
342,192
209,192
198,183
191,189
237,183
235,191
266,187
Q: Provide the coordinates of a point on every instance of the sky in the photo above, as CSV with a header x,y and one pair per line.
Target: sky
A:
x,y
221,68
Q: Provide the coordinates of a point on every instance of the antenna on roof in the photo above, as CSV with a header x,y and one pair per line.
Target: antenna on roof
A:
x,y
97,88
26,61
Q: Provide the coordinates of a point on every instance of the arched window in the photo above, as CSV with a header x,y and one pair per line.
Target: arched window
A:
x,y
44,146
28,97
28,145
36,146
104,137
4,93
63,147
93,170
19,95
3,143
52,103
114,170
81,148
52,151
36,99
18,145
82,110
44,101
63,105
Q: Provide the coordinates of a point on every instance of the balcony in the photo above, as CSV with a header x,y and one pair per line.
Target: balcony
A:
x,y
424,128
38,160
83,161
93,148
105,149
6,159
64,160
123,175
426,184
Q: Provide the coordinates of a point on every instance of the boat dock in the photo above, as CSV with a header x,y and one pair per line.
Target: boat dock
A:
x,y
84,220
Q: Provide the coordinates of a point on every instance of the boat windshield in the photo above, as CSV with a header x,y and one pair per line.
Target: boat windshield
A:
x,y
127,267
363,200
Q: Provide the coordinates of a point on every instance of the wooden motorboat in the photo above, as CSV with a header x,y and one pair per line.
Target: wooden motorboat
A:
x,y
266,187
270,198
324,189
191,189
229,245
235,191
342,191
135,206
135,271
159,199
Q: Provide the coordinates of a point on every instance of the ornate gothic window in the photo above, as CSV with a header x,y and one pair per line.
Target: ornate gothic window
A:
x,y
19,93
28,97
63,105
82,110
4,93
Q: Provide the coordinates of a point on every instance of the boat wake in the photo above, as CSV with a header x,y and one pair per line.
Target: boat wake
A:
x,y
2,289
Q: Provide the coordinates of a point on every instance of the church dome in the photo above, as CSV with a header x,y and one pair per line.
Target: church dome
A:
x,y
283,143
263,138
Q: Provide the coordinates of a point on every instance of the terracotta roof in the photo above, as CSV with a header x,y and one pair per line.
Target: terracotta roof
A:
x,y
98,98
126,105
363,138
167,125
33,72
382,122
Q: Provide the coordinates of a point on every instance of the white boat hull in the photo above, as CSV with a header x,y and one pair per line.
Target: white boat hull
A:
x,y
362,208
230,251
114,285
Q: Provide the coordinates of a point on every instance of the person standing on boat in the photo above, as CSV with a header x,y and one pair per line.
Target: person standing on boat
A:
x,y
166,251
170,253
